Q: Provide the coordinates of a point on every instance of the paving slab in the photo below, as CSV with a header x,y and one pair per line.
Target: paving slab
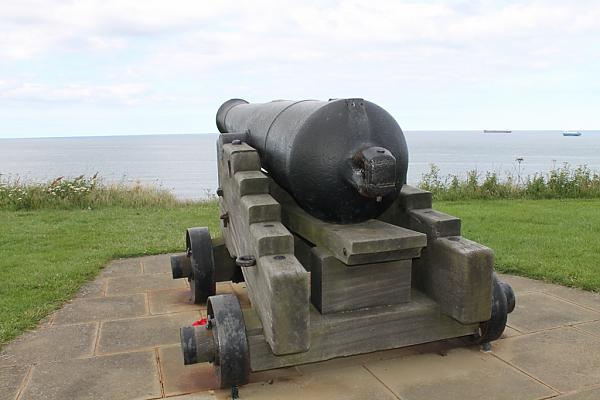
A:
x,y
54,343
275,375
591,328
440,347
141,284
11,379
171,301
121,333
210,395
179,299
583,298
464,373
352,383
538,311
593,394
183,379
101,308
160,264
92,289
224,288
522,285
241,291
122,376
142,333
122,267
563,358
510,332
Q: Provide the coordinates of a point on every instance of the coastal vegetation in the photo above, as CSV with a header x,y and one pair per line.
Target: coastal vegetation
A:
x,y
563,182
79,193
55,236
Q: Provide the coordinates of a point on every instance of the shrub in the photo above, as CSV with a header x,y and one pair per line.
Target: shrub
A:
x,y
561,182
80,192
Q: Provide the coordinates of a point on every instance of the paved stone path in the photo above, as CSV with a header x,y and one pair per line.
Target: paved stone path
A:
x,y
119,339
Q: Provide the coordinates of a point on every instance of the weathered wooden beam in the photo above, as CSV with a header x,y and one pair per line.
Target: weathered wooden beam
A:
x,y
360,331
335,287
457,273
365,242
433,223
302,250
414,198
278,285
410,198
452,270
260,208
240,157
224,264
271,238
251,182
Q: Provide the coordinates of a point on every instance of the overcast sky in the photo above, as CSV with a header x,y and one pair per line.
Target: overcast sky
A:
x,y
109,67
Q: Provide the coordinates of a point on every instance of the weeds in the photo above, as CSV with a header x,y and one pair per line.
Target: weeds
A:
x,y
80,193
558,183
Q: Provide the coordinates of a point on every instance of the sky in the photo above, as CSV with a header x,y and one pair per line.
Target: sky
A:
x,y
113,67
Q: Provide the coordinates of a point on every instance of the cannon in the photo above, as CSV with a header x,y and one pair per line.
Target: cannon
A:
x,y
342,161
339,255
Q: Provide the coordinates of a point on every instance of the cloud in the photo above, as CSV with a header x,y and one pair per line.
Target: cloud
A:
x,y
409,40
411,55
31,28
123,94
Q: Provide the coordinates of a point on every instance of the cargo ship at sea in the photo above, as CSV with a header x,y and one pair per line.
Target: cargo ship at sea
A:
x,y
571,133
497,131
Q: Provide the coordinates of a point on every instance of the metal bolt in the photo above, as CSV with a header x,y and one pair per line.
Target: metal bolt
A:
x,y
225,218
236,141
245,261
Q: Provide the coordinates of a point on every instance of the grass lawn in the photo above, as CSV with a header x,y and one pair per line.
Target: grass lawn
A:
x,y
553,240
45,255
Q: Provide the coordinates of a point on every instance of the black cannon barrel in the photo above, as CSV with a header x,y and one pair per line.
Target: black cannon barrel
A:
x,y
343,160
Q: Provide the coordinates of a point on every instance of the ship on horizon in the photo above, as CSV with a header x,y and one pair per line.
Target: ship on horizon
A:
x,y
497,131
571,133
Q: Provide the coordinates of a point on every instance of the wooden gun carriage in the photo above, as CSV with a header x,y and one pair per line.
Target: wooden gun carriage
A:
x,y
346,262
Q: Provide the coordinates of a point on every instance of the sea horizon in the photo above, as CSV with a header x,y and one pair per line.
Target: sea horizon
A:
x,y
185,164
587,131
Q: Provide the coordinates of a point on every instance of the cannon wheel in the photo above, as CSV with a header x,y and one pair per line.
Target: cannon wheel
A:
x,y
503,302
510,296
202,279
232,360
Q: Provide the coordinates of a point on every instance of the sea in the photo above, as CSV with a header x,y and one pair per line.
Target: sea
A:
x,y
186,164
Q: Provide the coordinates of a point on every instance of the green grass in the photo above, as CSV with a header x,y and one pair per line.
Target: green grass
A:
x,y
552,240
45,255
